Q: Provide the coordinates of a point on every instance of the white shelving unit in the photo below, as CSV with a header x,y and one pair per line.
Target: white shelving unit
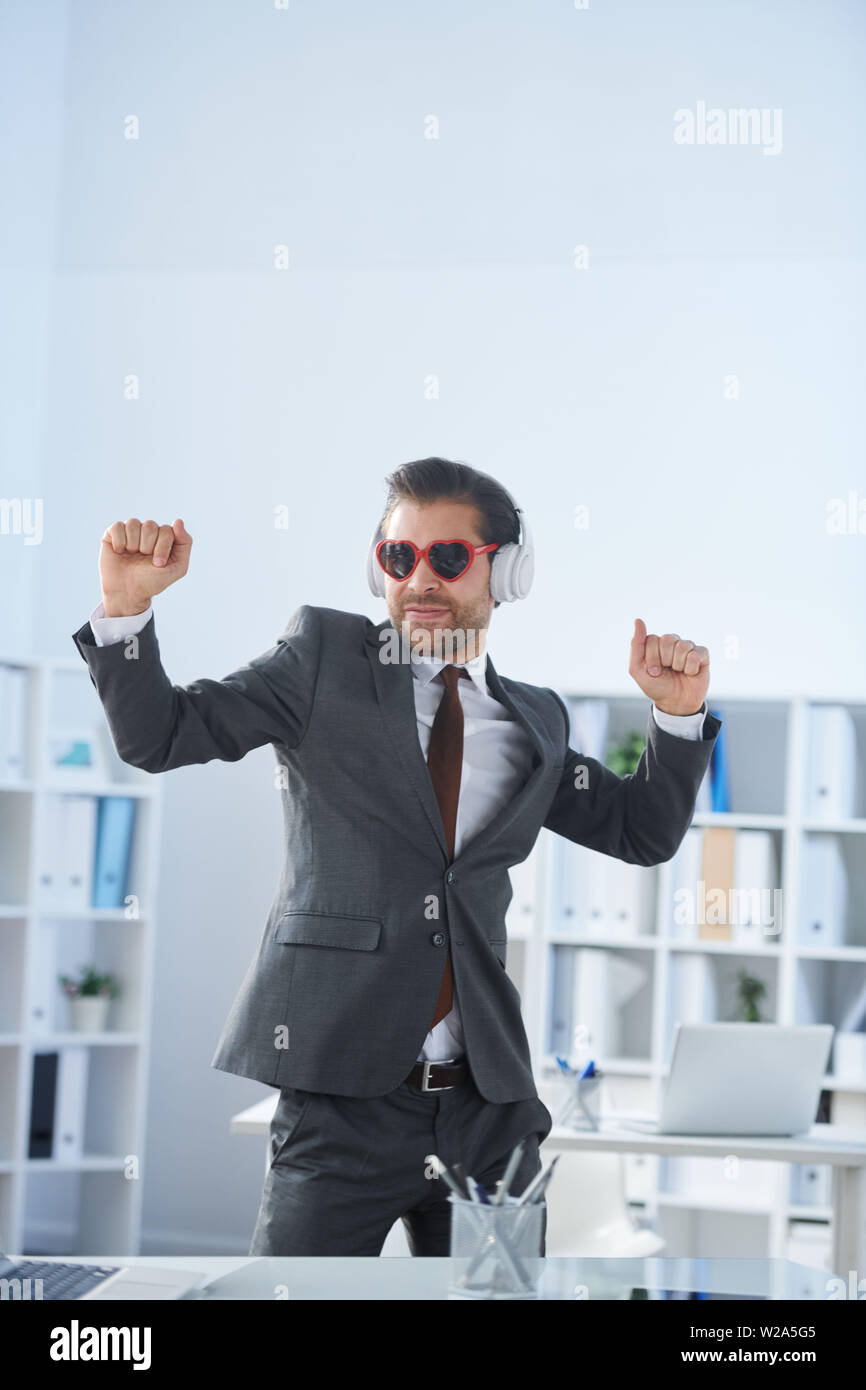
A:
x,y
751,1209
90,1204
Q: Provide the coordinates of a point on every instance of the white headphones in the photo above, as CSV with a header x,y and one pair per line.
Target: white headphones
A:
x,y
510,573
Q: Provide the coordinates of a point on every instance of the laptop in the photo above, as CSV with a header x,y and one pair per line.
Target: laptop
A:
x,y
741,1079
71,1280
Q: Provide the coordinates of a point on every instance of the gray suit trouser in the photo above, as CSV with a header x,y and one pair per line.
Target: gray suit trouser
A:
x,y
343,1169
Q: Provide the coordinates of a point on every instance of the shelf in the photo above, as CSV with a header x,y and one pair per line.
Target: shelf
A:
x,y
835,827
808,1213
710,1200
84,788
46,1042
614,1066
88,914
719,948
89,1163
855,953
636,943
744,820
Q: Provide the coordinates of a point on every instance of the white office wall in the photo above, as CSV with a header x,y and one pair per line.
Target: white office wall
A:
x,y
33,56
414,259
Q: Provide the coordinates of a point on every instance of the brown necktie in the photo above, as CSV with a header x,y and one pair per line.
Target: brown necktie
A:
x,y
445,763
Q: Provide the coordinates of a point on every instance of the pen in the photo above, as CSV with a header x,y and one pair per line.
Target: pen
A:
x,y
508,1177
538,1183
472,1188
444,1174
541,1188
459,1173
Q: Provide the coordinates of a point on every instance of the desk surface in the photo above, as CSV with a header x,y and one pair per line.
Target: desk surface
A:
x,y
840,1145
400,1278
834,1144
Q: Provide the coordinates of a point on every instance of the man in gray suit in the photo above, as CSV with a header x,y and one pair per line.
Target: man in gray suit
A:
x,y
377,1002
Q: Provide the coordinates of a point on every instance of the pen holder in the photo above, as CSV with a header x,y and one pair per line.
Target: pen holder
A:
x,y
579,1105
495,1250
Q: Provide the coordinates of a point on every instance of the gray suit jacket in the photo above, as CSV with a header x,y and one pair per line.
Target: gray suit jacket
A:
x,y
341,990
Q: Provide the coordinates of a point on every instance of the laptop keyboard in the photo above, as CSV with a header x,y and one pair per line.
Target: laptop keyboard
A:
x,y
62,1280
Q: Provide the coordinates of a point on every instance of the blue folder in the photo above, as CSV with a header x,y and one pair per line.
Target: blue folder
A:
x,y
113,844
719,791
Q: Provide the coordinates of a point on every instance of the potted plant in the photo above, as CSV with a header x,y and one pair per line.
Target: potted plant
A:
x,y
750,990
623,755
89,998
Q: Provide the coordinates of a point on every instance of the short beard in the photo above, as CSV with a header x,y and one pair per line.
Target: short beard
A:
x,y
456,636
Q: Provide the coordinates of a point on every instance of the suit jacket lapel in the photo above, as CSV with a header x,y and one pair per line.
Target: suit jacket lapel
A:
x,y
395,689
541,760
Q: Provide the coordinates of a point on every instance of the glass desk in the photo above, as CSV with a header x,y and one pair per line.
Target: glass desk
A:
x,y
390,1277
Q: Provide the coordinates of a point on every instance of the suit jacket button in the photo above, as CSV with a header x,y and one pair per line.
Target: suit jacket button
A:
x,y
449,877
438,938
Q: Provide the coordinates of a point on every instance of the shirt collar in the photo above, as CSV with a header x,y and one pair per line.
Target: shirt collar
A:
x,y
426,668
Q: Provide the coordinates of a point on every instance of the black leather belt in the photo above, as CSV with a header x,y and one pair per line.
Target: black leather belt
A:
x,y
438,1076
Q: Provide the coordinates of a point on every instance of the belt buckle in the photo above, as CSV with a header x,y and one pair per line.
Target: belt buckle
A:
x,y
426,1073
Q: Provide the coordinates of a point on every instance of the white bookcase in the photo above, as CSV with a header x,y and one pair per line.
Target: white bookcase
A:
x,y
87,1201
699,1206
91,1204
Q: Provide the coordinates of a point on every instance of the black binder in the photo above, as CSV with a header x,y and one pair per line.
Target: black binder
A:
x,y
42,1100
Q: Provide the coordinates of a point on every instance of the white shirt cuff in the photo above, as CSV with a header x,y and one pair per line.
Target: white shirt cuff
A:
x,y
106,631
681,725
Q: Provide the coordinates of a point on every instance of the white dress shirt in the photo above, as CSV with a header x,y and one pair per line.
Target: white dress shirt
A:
x,y
497,759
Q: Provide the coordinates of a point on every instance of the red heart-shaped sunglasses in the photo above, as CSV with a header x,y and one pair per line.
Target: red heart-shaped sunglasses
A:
x,y
447,559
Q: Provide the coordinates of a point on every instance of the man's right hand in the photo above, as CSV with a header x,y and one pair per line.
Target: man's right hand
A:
x,y
138,559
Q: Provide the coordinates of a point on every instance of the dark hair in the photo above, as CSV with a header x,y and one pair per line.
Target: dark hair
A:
x,y
435,479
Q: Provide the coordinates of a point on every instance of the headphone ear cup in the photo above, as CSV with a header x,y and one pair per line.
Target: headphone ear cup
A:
x,y
375,573
513,567
524,572
500,570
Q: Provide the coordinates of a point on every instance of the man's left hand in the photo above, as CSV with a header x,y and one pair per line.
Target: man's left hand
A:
x,y
671,670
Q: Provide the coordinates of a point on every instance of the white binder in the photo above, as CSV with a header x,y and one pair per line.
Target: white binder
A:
x,y
521,910
604,983
823,892
684,892
50,875
573,871
561,999
79,847
13,723
811,1184
44,987
601,895
629,892
692,997
832,763
755,910
704,798
589,721
70,1104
